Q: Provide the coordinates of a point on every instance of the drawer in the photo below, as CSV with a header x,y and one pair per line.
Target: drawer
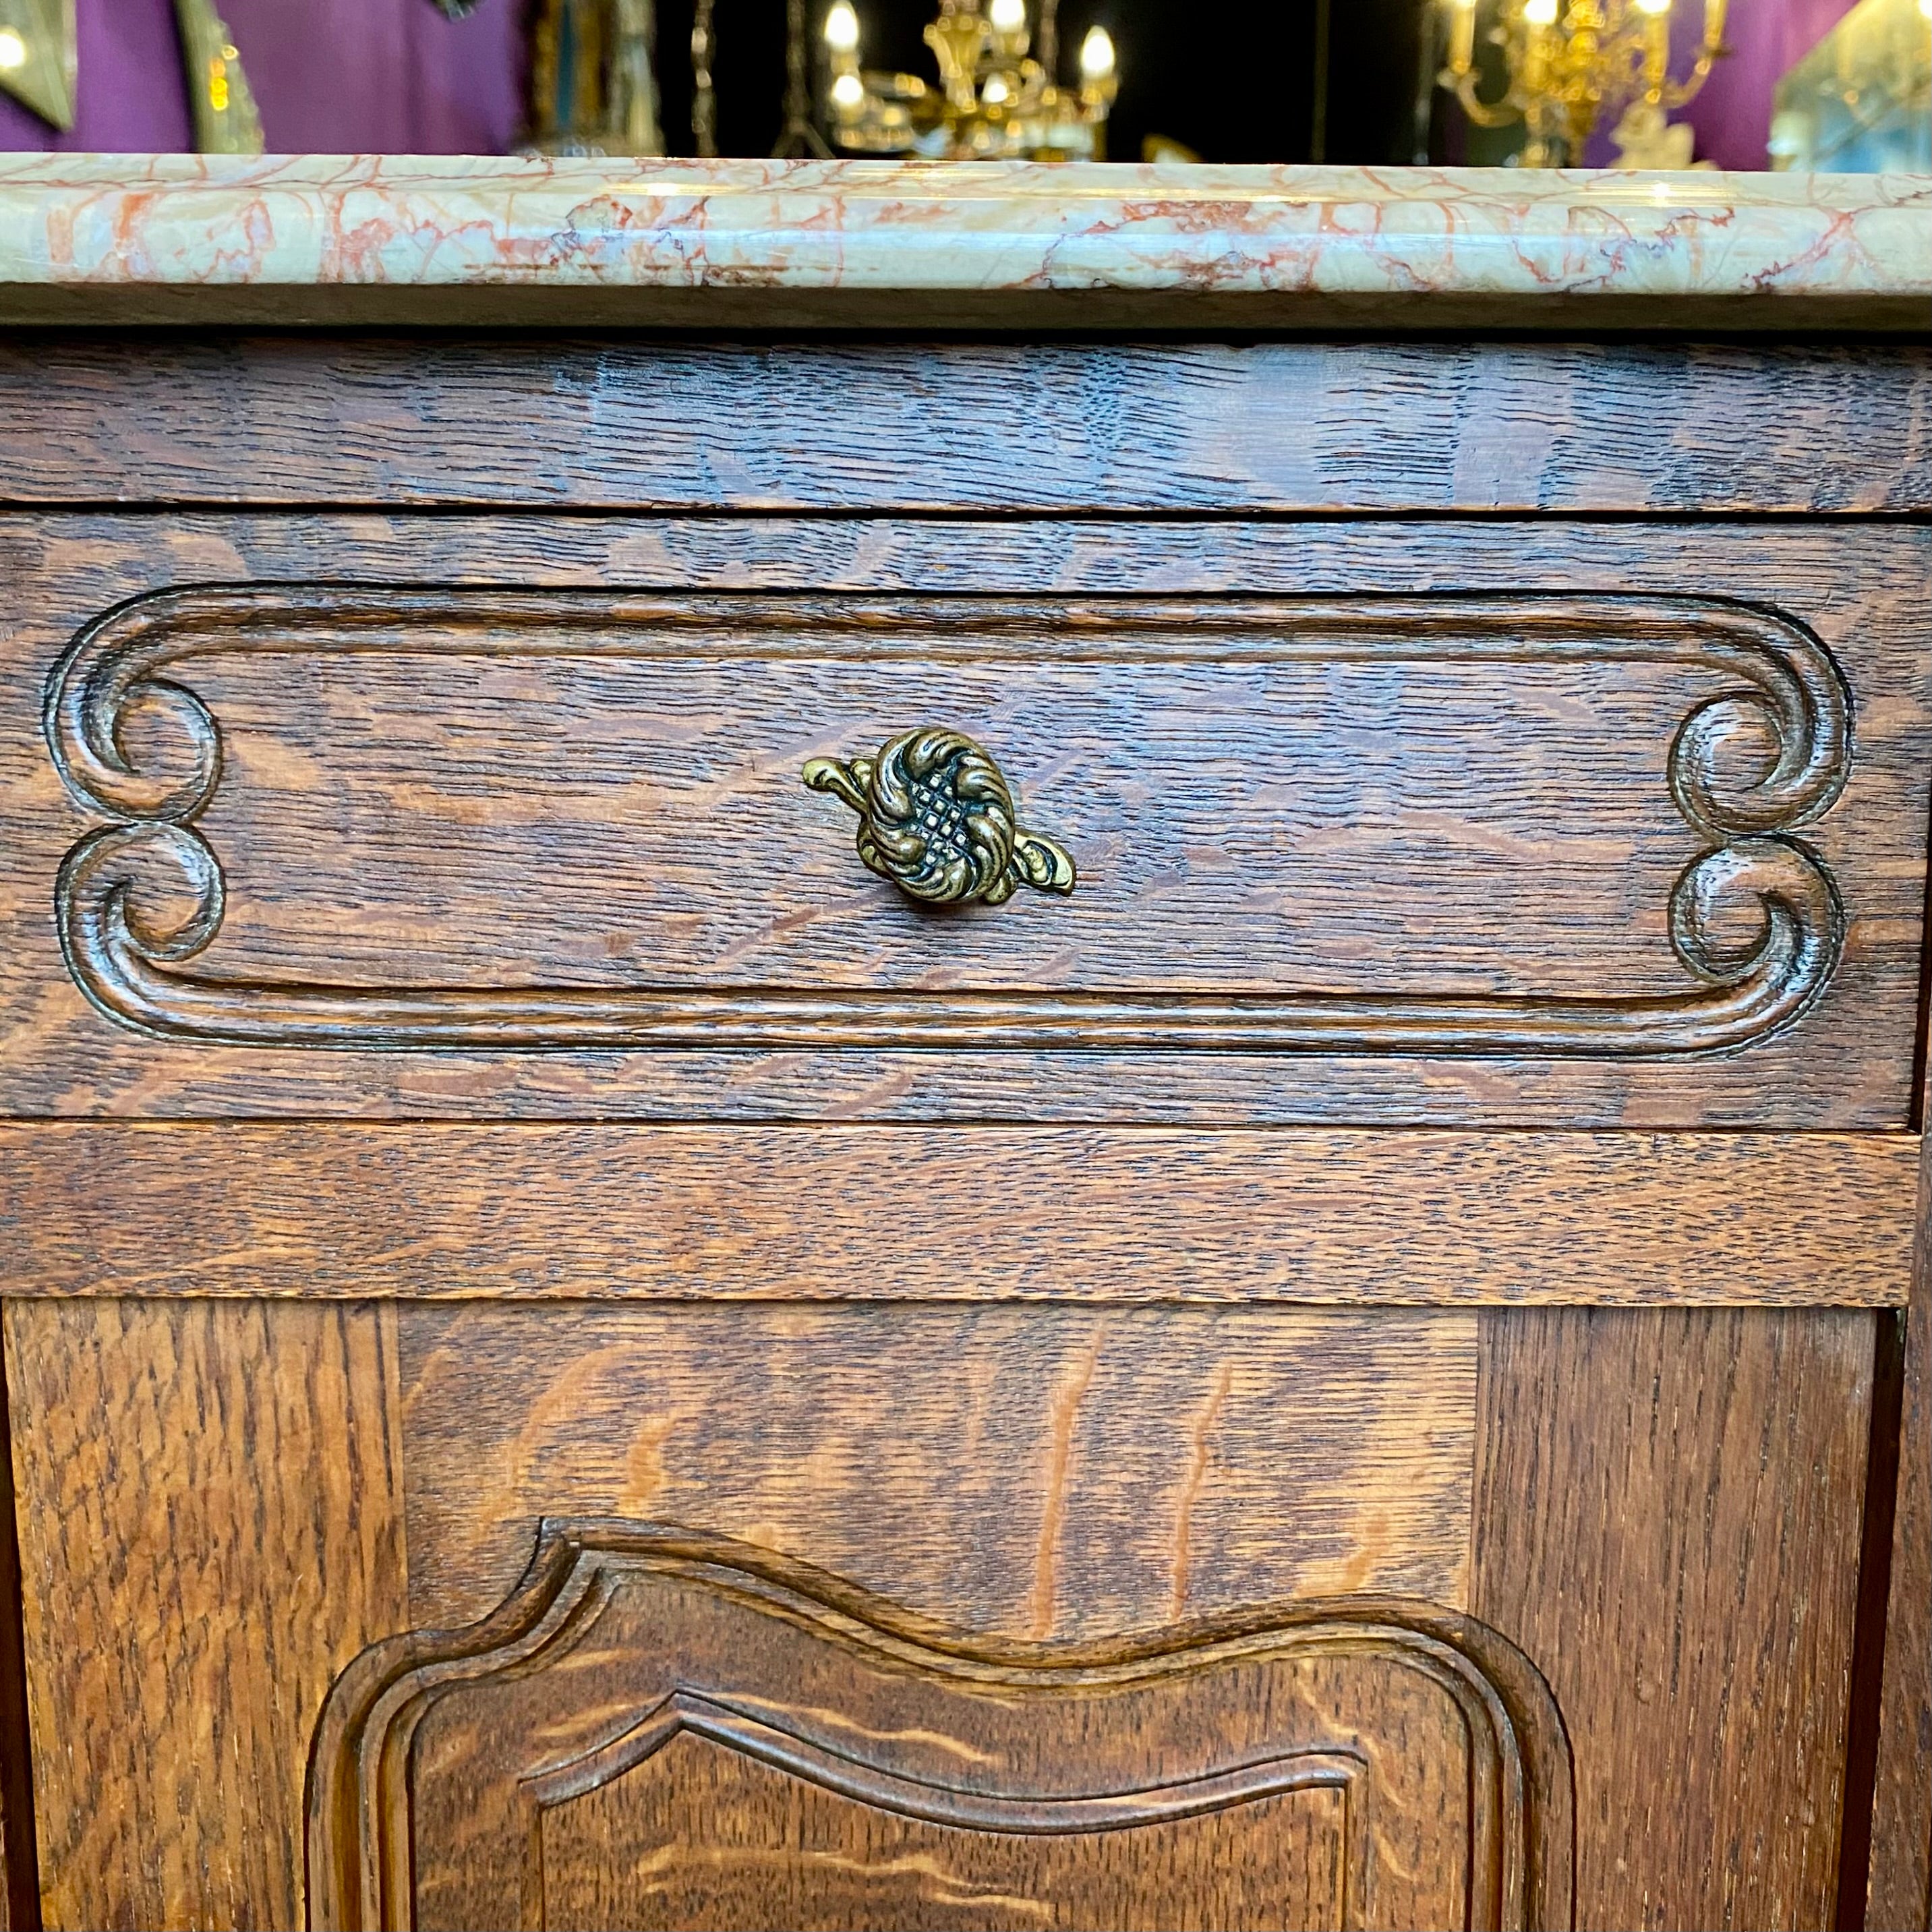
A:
x,y
1476,822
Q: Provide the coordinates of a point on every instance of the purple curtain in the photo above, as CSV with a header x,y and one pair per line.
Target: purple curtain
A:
x,y
1732,115
330,77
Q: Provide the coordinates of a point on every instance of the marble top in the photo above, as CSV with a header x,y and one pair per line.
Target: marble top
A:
x,y
415,239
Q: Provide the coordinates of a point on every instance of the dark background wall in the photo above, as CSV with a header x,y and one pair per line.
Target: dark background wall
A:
x,y
1238,83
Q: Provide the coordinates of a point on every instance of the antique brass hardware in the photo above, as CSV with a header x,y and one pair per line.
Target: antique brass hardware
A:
x,y
937,817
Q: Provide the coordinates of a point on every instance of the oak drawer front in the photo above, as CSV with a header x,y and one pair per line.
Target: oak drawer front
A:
x,y
1454,831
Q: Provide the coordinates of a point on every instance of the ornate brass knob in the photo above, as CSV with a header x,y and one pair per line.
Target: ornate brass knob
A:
x,y
937,817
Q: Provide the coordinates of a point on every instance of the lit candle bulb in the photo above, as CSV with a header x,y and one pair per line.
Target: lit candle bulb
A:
x,y
1656,17
1096,55
1540,13
1008,16
841,27
13,48
848,94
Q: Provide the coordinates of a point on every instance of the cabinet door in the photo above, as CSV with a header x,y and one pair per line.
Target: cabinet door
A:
x,y
663,1729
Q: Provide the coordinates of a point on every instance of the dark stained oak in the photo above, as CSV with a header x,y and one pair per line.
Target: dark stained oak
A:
x,y
578,824
1665,1520
966,1213
720,912
1899,1886
19,1857
1060,428
1348,1373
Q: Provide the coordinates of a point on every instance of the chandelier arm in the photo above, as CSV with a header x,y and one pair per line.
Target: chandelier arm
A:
x,y
1680,93
1711,50
1484,113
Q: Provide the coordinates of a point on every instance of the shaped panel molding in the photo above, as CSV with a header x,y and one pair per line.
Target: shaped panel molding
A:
x,y
1754,919
661,1727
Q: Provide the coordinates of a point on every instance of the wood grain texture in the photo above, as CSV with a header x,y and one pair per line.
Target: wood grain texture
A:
x,y
719,913
705,1838
1057,428
968,1213
1558,836
19,1855
659,1728
1040,1472
1899,1895
211,1528
1667,1520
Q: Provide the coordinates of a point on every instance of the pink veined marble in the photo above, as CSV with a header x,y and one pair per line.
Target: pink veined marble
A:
x,y
1406,237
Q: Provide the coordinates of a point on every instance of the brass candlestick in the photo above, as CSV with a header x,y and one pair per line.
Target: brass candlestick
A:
x,y
1571,64
994,101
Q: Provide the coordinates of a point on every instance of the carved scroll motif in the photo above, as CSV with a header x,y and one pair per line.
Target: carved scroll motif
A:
x,y
623,1638
1775,679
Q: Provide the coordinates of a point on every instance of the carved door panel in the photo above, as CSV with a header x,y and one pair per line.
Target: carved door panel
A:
x,y
659,1728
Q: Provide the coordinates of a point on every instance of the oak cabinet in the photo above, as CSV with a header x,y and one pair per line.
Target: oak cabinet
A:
x,y
575,1357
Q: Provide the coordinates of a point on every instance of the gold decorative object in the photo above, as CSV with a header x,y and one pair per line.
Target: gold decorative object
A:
x,y
38,56
703,88
1570,64
995,101
592,88
39,64
937,817
219,97
800,136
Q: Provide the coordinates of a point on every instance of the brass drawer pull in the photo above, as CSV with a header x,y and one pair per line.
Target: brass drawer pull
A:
x,y
937,817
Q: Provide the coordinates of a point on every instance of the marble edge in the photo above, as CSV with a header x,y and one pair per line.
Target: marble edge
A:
x,y
80,234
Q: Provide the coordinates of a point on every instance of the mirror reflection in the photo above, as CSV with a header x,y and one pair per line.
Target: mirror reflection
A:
x,y
1838,86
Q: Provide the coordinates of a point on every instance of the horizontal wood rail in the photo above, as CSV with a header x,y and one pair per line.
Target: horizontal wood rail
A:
x,y
909,1213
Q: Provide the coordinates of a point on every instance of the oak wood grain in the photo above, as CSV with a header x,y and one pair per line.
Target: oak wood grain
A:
x,y
661,1727
696,876
1064,429
1667,1520
536,833
211,1527
711,1840
584,789
995,1404
19,1855
894,1214
1899,1893
1043,1471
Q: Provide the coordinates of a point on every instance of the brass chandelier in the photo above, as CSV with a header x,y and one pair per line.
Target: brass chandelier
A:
x,y
999,96
1574,64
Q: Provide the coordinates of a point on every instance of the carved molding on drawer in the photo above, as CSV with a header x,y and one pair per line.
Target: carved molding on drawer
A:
x,y
709,1733
1777,680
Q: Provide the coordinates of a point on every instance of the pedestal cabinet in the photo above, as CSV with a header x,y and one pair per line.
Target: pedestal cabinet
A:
x,y
1328,1349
